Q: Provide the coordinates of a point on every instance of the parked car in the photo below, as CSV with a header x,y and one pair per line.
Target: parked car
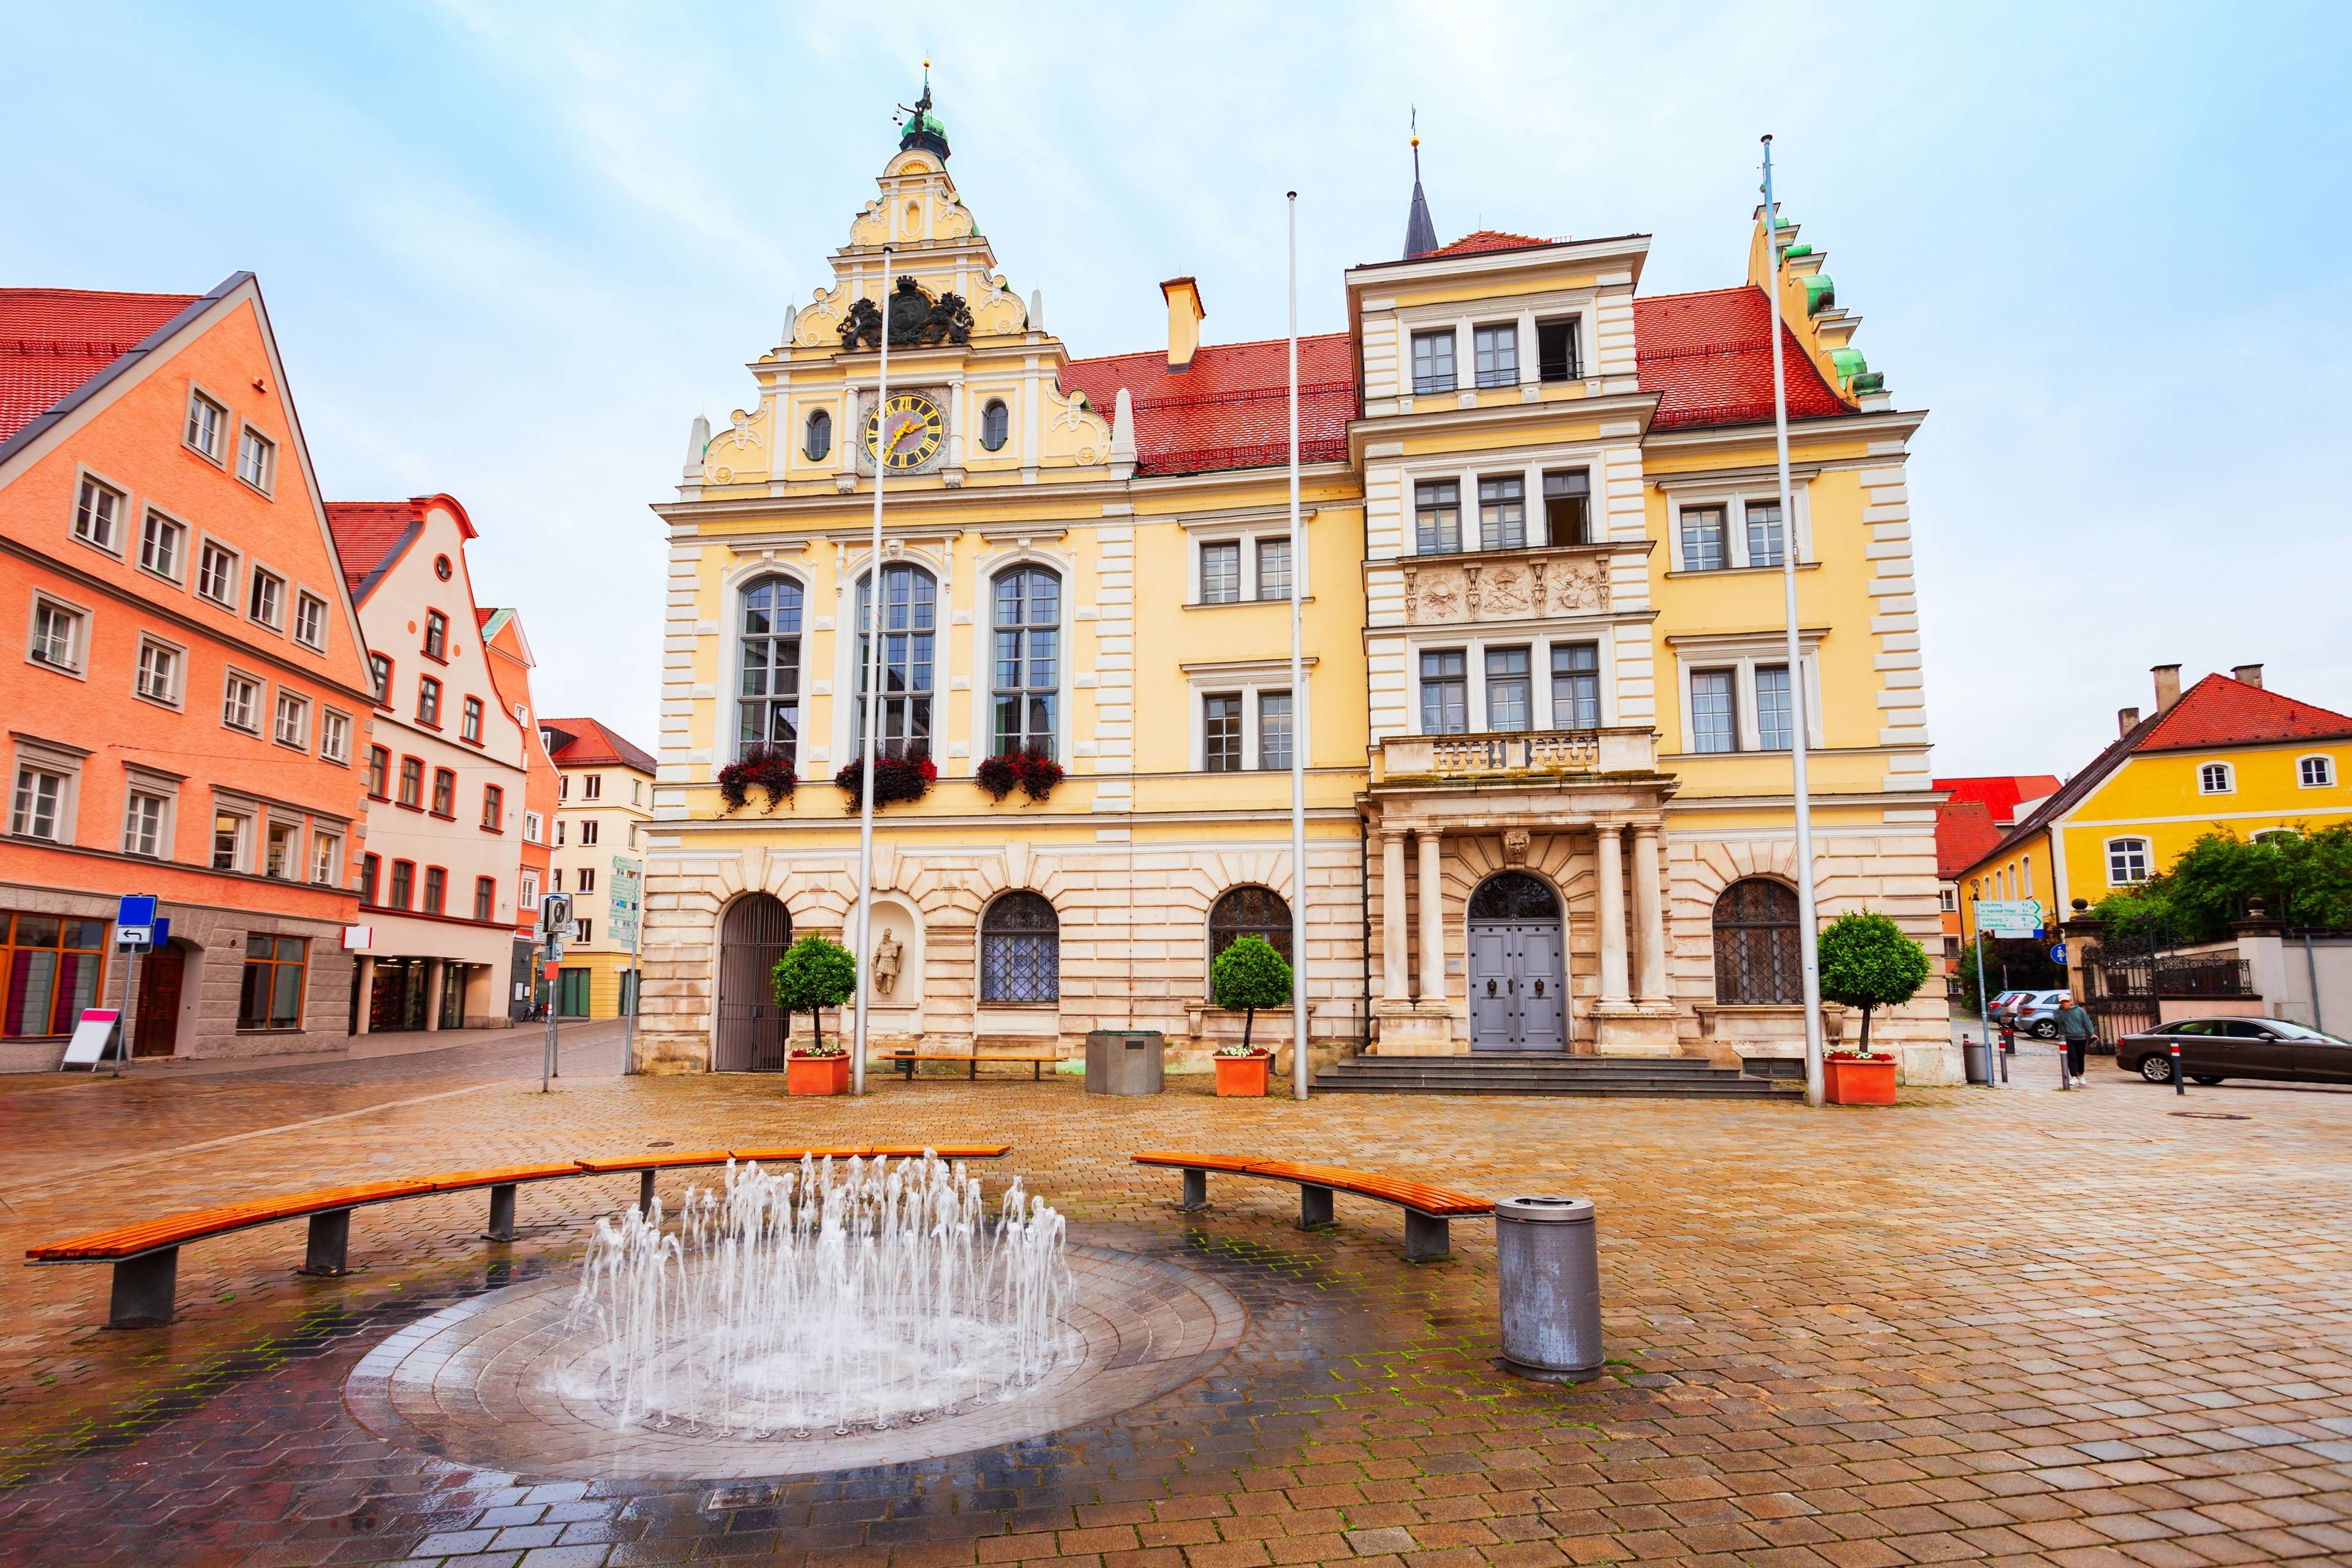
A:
x,y
2212,1050
2002,1002
2034,1013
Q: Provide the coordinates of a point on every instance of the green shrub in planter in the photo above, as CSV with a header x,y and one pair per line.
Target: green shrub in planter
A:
x,y
815,972
1249,976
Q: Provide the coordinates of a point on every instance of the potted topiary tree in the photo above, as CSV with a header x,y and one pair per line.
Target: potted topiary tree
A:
x,y
1249,975
1867,963
815,973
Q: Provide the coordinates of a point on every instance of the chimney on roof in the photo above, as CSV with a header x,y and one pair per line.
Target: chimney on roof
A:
x,y
1185,315
2127,721
2168,685
2247,674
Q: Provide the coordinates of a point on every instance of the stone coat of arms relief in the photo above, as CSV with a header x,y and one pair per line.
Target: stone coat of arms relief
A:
x,y
1513,590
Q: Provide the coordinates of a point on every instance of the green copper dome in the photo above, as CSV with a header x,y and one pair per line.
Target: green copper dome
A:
x,y
923,127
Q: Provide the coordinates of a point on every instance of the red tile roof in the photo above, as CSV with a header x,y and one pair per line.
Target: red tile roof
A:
x,y
1231,409
370,535
1964,833
1488,239
54,340
1709,357
2221,712
591,743
2001,794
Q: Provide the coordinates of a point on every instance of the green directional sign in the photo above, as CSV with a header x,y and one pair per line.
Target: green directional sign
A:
x,y
2009,917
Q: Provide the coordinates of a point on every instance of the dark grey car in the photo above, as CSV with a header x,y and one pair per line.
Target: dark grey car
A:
x,y
2212,1050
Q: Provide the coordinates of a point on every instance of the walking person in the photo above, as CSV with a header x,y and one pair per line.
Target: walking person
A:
x,y
2075,1029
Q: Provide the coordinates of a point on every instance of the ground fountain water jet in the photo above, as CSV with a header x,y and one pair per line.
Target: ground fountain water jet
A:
x,y
861,1295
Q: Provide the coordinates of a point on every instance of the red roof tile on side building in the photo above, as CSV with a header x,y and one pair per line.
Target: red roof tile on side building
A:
x,y
1488,239
370,534
1708,357
1231,409
1964,833
591,743
2221,712
54,340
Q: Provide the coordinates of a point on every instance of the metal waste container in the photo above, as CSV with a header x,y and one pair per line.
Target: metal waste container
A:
x,y
1977,1059
1547,1251
1125,1061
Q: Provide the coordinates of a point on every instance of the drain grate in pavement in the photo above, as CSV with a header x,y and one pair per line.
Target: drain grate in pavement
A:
x,y
2211,1115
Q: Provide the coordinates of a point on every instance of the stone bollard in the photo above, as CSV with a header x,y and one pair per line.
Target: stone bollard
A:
x,y
1547,1251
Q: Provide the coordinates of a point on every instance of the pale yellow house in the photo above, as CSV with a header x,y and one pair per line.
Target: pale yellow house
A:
x,y
1545,705
603,807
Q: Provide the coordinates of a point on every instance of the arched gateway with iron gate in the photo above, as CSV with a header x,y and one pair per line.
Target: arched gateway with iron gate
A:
x,y
752,936
1519,980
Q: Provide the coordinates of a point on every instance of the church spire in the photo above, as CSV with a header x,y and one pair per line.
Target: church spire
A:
x,y
922,128
1420,233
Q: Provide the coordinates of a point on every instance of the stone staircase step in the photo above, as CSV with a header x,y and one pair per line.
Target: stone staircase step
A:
x,y
1545,1073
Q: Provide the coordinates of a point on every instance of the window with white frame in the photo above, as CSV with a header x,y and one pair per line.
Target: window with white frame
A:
x,y
216,573
2126,861
1776,716
1738,695
530,897
533,825
768,666
1245,718
163,545
1576,686
335,736
326,859
266,601
282,851
1445,691
145,818
1221,733
1727,532
37,809
2214,778
292,727
583,930
1568,506
1221,571
311,621
1703,541
160,667
909,629
1947,899
241,703
1273,730
207,425
1510,689
1274,568
257,459
1502,512
232,839
587,883
58,636
592,787
1715,714
1025,659
1765,534
97,514
561,832
588,832
2315,772
1437,516
1432,360
1496,350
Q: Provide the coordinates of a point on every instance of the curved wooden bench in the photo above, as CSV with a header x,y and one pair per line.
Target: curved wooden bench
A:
x,y
146,1255
1427,1209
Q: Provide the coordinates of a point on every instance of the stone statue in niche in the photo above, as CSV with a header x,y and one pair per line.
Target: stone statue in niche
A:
x,y
888,953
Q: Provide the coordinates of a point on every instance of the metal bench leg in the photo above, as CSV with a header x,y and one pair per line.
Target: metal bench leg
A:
x,y
646,1194
144,1288
1426,1238
331,1243
501,1213
1314,1208
1196,1192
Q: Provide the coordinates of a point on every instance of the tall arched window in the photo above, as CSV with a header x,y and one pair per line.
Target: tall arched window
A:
x,y
1027,669
818,442
1757,959
768,652
1249,912
909,623
995,425
1019,951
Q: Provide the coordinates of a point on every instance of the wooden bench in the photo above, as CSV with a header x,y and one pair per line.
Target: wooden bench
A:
x,y
146,1255
905,1060
1427,1209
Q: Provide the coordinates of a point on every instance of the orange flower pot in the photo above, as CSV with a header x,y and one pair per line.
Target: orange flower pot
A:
x,y
816,1075
1240,1075
1858,1083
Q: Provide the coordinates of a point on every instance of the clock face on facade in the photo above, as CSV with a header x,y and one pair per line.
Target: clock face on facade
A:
x,y
906,432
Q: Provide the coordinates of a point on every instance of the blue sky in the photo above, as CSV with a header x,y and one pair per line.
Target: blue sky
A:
x,y
511,251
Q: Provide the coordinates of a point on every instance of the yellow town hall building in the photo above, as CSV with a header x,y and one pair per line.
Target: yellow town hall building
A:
x,y
1545,705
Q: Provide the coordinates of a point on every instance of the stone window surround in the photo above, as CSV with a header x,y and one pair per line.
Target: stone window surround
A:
x,y
224,431
1249,677
1529,465
2126,843
267,486
1577,305
1742,654
841,731
351,728
261,711
294,617
991,561
129,510
256,569
2216,777
1733,495
1246,529
84,624
189,534
235,571
1474,643
177,701
52,757
2326,771
143,780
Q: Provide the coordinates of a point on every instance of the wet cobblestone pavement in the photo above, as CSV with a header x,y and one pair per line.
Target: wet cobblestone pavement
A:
x,y
2024,1327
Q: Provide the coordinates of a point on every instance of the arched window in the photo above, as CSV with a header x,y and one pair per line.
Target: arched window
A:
x,y
1514,896
1249,912
1757,959
909,623
768,689
818,442
1026,667
995,425
2214,778
1019,951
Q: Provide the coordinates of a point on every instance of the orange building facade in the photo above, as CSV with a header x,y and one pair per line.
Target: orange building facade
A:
x,y
511,666
186,707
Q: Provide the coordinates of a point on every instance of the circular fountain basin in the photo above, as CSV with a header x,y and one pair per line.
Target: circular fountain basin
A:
x,y
504,1382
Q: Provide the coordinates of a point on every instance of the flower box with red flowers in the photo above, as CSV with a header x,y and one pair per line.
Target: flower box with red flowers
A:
x,y
761,767
824,1069
1034,773
905,779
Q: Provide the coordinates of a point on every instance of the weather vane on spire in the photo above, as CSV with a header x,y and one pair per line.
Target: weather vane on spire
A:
x,y
920,127
1420,233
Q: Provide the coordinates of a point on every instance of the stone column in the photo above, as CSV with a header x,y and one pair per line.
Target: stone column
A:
x,y
1609,867
1431,889
1395,972
436,972
365,982
1649,914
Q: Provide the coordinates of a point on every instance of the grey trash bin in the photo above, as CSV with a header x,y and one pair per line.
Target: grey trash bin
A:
x,y
1547,1252
1125,1061
1976,1058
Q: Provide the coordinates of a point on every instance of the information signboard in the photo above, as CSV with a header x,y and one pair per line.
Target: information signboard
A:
x,y
620,917
2009,917
92,1034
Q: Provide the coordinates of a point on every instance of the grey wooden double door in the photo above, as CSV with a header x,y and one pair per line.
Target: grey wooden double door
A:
x,y
1517,978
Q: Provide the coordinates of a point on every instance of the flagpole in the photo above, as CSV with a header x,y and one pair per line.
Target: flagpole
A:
x,y
873,692
1297,716
1808,919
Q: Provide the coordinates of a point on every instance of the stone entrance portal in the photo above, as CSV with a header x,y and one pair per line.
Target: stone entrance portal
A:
x,y
1518,980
